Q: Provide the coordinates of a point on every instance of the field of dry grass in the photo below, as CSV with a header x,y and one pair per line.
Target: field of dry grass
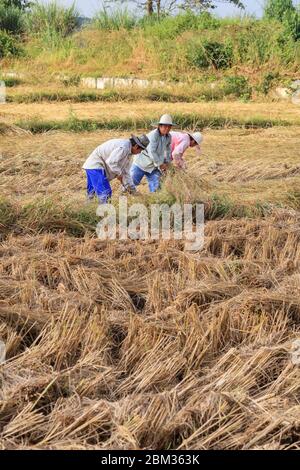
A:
x,y
142,345
11,113
259,165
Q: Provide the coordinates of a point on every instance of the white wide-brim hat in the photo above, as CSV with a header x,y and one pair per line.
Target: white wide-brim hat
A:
x,y
197,136
166,120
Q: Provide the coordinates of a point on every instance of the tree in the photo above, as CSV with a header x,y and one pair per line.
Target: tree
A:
x,y
278,9
285,12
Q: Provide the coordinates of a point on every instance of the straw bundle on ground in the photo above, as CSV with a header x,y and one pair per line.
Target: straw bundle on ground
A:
x,y
152,347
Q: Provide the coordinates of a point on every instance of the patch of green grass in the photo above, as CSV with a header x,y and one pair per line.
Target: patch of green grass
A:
x,y
221,206
10,82
203,93
293,198
73,124
48,215
115,20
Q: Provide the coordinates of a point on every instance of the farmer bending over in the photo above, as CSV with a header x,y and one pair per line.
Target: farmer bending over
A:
x,y
109,161
154,161
181,141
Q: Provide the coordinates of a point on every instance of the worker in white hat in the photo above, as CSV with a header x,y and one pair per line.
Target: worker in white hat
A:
x,y
153,162
181,141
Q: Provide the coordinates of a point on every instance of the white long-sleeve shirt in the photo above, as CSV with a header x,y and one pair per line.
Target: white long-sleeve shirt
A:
x,y
114,156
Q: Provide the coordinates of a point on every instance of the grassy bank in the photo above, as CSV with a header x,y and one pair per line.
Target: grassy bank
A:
x,y
181,48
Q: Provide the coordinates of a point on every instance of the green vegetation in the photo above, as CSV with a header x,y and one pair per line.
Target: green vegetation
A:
x,y
51,22
8,45
122,19
208,53
235,86
285,12
191,47
11,19
73,124
49,215
267,82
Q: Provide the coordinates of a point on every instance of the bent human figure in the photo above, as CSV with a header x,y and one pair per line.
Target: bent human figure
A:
x,y
153,161
181,141
109,161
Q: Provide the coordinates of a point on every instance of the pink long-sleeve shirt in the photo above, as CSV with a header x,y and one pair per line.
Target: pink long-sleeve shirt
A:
x,y
180,143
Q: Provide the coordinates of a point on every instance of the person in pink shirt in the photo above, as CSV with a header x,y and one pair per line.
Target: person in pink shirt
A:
x,y
181,141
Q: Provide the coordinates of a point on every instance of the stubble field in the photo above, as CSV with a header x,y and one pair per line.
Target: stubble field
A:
x,y
142,345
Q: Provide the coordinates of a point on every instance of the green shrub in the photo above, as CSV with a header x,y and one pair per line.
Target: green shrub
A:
x,y
116,20
211,53
237,86
285,12
169,27
72,80
267,82
261,41
207,21
8,45
10,82
11,19
52,21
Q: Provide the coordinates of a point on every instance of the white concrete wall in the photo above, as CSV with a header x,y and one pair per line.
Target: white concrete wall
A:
x,y
110,82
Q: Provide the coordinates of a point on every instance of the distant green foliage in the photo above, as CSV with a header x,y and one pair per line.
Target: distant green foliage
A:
x,y
285,12
10,82
169,27
8,45
119,19
71,80
20,4
277,9
260,41
238,86
211,53
52,21
163,27
170,47
267,82
11,19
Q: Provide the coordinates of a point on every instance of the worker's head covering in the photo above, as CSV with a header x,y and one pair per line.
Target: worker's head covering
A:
x,y
166,120
142,141
197,137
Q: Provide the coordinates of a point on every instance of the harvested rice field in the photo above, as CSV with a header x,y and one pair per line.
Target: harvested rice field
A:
x,y
142,345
